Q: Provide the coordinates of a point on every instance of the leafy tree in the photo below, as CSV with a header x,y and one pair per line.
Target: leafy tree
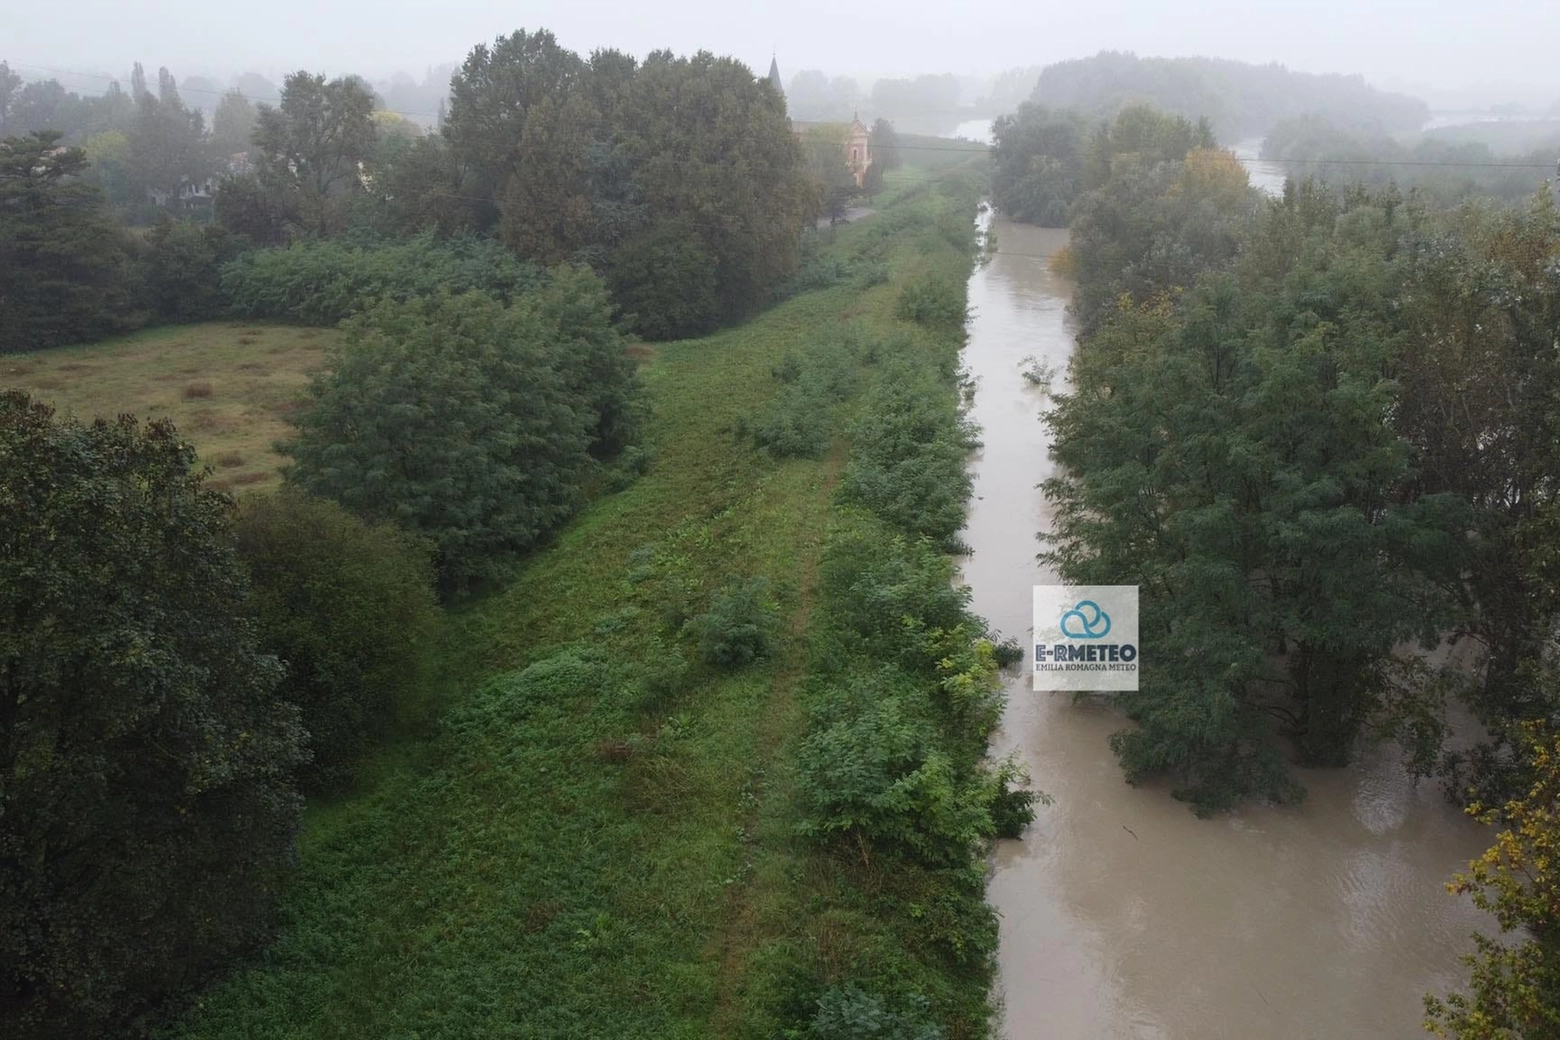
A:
x,y
661,279
738,178
739,626
421,186
492,95
831,176
167,146
1037,164
591,356
546,208
310,148
45,105
233,124
1231,454
247,208
1515,985
10,87
348,609
180,270
63,260
108,158
885,146
146,802
450,417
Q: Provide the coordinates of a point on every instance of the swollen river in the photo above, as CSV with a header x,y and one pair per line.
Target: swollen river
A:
x,y
1123,915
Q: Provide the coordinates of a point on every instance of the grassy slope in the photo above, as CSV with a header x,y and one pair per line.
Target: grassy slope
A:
x,y
597,866
227,387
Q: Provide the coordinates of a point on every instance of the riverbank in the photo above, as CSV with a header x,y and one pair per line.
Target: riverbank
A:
x,y
613,834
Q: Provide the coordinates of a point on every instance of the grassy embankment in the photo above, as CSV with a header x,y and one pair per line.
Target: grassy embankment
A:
x,y
601,840
227,387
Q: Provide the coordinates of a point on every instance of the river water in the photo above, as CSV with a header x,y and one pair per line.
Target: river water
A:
x,y
1123,915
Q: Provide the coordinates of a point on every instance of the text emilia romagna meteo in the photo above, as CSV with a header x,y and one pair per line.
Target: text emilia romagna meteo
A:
x,y
1086,638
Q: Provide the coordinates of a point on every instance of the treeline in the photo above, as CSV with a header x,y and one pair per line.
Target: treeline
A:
x,y
1239,99
677,180
1318,432
1312,429
1444,171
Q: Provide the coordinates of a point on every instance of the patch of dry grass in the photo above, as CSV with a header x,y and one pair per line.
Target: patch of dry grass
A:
x,y
259,374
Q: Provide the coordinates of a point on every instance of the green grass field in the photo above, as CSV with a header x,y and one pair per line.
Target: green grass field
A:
x,y
228,387
574,851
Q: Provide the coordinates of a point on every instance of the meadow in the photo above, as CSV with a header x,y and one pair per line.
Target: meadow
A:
x,y
228,387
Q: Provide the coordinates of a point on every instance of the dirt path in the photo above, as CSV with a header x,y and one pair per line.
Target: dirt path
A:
x,y
739,928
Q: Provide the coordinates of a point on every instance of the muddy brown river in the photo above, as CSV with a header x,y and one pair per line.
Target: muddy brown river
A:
x,y
1122,914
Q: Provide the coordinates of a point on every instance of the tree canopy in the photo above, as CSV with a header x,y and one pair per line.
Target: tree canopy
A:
x,y
146,799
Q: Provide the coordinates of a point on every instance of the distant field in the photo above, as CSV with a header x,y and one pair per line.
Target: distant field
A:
x,y
228,387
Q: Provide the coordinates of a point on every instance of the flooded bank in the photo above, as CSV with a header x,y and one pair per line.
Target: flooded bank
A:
x,y
1123,915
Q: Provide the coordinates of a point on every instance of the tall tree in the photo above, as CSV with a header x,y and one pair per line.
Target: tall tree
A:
x,y
312,148
492,96
232,125
167,146
146,802
64,266
10,86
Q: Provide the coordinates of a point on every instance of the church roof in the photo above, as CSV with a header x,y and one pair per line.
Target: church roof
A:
x,y
774,75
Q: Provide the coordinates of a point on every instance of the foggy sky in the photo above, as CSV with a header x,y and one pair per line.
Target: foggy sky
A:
x,y
1505,45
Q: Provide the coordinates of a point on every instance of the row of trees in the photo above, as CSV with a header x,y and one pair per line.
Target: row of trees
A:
x,y
147,150
1315,431
1239,99
1271,400
678,180
1443,170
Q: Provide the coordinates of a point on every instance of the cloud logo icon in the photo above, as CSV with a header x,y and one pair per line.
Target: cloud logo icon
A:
x,y
1085,621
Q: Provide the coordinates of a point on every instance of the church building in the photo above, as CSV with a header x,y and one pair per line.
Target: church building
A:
x,y
857,138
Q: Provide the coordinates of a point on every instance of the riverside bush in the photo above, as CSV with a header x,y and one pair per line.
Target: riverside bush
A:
x,y
933,301
908,466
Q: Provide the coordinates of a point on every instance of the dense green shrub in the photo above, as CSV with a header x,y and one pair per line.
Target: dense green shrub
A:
x,y
908,463
348,608
874,579
933,301
181,270
322,282
451,418
848,1013
797,423
739,626
147,809
872,770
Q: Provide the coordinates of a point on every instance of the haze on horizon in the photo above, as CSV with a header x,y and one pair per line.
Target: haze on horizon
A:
x,y
1446,52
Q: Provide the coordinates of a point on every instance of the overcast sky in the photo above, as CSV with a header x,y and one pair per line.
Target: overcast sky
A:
x,y
1395,43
